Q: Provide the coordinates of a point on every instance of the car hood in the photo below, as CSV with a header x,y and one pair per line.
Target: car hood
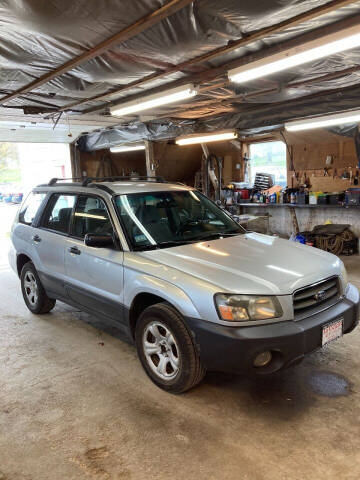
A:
x,y
251,263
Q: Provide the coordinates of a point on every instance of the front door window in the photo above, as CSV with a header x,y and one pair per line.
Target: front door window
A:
x,y
91,216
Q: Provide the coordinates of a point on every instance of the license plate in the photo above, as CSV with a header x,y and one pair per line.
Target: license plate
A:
x,y
332,331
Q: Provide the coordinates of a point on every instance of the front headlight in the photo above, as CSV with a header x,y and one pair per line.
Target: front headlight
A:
x,y
344,278
244,308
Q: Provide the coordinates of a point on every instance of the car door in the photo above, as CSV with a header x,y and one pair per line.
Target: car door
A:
x,y
94,275
49,240
23,229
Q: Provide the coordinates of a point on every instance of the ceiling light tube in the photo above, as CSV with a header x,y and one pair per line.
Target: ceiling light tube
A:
x,y
331,44
126,148
152,101
205,138
324,121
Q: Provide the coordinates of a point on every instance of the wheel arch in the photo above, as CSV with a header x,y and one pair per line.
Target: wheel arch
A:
x,y
165,293
139,304
21,260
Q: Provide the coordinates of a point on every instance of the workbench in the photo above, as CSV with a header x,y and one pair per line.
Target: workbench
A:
x,y
292,209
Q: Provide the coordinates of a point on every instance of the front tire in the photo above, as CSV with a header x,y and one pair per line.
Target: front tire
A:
x,y
33,292
166,349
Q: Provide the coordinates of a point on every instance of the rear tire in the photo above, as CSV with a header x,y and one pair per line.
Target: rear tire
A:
x,y
166,349
33,292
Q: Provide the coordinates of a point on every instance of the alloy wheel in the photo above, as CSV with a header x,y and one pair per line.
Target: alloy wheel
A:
x,y
161,350
31,288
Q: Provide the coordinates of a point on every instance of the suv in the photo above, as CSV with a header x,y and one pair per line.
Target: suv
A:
x,y
189,286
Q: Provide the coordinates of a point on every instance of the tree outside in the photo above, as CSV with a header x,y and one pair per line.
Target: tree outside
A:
x,y
24,165
10,172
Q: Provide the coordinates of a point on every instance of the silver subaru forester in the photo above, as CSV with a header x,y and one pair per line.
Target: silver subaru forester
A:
x,y
187,284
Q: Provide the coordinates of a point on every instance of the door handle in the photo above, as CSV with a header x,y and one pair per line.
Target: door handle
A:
x,y
36,238
75,251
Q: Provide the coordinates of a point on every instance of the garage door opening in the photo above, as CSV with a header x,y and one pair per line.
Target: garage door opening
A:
x,y
23,166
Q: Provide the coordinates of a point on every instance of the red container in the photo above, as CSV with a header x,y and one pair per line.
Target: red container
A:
x,y
244,194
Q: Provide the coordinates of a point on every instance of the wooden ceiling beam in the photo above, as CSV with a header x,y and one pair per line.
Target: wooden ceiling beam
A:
x,y
259,93
132,30
242,42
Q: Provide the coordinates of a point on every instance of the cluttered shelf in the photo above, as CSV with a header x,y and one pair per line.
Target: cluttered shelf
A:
x,y
264,193
295,205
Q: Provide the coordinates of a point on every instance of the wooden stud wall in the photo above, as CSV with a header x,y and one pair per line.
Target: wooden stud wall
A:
x,y
174,163
309,153
124,163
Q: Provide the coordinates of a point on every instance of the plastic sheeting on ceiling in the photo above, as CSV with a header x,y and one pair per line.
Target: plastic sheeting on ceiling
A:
x,y
37,36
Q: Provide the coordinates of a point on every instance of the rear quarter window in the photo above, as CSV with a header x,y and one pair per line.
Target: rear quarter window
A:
x,y
30,207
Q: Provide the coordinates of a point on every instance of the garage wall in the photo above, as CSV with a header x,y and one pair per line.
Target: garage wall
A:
x,y
125,162
174,163
180,164
177,164
309,151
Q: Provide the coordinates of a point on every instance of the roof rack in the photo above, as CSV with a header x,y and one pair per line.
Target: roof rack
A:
x,y
53,181
94,181
143,178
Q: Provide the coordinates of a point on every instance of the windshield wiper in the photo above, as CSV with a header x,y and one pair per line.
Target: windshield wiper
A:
x,y
216,235
173,243
170,243
176,243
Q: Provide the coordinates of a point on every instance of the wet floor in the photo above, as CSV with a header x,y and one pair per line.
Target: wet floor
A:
x,y
75,404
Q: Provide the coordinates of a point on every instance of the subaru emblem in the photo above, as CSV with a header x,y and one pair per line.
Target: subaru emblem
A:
x,y
320,296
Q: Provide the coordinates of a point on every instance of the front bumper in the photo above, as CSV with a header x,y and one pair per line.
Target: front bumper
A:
x,y
233,349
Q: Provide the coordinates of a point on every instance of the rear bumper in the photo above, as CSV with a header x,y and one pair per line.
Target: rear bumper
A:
x,y
233,349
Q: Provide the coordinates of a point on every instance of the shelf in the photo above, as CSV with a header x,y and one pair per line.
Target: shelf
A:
x,y
280,205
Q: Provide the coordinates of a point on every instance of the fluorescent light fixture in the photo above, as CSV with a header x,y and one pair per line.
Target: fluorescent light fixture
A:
x,y
331,44
152,101
126,148
324,121
206,138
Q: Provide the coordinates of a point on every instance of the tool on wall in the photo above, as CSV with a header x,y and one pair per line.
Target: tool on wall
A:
x,y
198,183
345,175
246,161
211,162
356,178
106,168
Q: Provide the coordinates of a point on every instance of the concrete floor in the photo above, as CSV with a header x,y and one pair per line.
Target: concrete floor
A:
x,y
76,404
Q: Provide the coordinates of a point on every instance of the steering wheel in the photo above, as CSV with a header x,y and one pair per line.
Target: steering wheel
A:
x,y
187,223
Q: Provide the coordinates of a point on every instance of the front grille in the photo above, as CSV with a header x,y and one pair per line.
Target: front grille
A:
x,y
315,298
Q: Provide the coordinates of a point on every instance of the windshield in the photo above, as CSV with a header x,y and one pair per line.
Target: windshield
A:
x,y
158,219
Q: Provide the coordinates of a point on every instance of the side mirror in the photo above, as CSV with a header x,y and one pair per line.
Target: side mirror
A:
x,y
98,240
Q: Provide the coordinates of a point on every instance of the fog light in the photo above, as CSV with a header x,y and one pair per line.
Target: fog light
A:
x,y
263,359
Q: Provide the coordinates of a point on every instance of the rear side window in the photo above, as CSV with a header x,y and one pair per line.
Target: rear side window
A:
x,y
91,216
58,213
30,207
